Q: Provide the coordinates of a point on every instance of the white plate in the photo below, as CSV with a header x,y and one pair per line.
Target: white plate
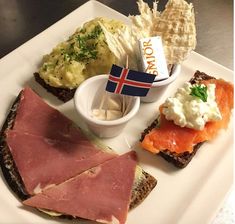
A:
x,y
187,196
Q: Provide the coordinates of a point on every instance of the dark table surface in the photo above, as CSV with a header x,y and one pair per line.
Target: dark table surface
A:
x,y
21,20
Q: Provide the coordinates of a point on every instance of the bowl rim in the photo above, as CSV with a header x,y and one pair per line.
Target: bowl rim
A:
x,y
91,120
176,71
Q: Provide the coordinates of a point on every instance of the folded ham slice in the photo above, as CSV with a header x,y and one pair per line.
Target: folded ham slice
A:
x,y
47,147
101,194
36,117
43,162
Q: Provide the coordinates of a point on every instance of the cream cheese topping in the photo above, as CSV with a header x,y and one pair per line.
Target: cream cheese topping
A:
x,y
190,111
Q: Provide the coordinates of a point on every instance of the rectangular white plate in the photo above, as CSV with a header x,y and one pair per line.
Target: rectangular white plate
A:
x,y
188,196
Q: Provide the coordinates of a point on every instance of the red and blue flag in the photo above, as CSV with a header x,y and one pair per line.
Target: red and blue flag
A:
x,y
128,82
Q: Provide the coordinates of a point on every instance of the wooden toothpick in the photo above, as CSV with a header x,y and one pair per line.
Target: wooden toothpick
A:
x,y
127,102
127,61
123,96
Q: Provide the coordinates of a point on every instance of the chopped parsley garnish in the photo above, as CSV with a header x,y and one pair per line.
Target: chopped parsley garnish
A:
x,y
94,34
66,57
200,92
87,46
44,67
47,66
83,30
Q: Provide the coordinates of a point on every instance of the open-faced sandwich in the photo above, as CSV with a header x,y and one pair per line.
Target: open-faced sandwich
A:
x,y
82,55
51,165
101,42
195,114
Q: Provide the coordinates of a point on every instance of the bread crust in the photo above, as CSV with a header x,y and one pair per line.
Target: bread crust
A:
x,y
63,94
7,163
142,190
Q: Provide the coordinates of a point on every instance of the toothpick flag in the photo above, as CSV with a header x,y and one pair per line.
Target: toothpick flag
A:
x,y
128,82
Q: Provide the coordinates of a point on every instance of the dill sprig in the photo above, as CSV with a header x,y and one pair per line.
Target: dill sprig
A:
x,y
199,91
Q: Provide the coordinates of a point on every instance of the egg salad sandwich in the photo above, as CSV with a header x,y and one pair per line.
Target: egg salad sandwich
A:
x,y
84,54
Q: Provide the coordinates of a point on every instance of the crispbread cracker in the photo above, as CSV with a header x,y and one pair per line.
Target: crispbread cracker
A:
x,y
176,26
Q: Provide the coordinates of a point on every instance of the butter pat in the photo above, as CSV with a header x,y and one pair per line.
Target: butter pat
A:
x,y
152,57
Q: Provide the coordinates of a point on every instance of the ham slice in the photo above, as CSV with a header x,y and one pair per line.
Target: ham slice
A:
x,y
36,117
43,162
47,147
101,194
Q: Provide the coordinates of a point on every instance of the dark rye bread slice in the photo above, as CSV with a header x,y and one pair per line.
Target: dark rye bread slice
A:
x,y
180,160
7,163
144,182
63,94
66,94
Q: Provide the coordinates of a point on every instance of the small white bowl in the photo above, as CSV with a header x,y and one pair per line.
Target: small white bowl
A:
x,y
87,97
159,87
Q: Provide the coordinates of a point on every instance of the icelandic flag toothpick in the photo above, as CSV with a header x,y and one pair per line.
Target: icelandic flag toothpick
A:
x,y
128,82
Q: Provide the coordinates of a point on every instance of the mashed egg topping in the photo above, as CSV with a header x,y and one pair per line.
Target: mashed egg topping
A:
x,y
83,55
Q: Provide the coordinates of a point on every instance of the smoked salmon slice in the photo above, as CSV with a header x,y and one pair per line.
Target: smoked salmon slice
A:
x,y
176,139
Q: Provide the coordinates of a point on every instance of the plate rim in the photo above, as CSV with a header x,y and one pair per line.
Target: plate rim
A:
x,y
15,51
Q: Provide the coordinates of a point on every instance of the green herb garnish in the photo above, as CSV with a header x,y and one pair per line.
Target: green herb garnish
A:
x,y
66,57
47,66
83,30
87,45
200,92
44,67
